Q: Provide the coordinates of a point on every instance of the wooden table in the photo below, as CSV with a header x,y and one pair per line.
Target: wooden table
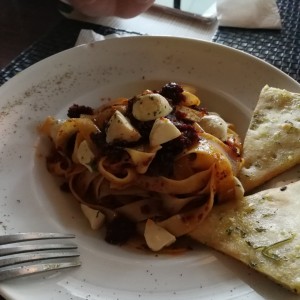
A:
x,y
22,22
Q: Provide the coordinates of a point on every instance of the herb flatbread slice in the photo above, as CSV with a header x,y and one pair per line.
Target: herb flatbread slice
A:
x,y
272,142
262,231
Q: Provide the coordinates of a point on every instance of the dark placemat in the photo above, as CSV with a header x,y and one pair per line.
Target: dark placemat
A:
x,y
281,48
61,37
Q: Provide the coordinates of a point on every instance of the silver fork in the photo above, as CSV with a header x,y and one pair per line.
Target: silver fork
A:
x,y
17,260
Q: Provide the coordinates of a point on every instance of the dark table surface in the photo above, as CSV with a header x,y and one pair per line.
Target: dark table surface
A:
x,y
22,22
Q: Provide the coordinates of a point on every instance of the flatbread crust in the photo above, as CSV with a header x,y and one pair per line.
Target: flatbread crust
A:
x,y
262,231
272,142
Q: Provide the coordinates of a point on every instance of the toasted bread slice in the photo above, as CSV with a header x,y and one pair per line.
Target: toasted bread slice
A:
x,y
262,231
272,142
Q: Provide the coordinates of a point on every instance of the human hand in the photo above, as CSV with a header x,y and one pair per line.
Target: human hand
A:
x,y
120,8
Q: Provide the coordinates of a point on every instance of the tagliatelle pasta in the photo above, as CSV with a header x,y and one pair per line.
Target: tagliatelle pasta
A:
x,y
152,165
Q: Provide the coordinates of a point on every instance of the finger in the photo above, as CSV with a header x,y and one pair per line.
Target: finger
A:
x,y
132,8
120,8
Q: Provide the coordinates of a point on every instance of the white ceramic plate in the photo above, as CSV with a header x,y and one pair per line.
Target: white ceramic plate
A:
x,y
227,81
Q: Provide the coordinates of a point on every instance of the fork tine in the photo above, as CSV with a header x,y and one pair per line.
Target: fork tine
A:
x,y
30,236
17,260
37,268
30,248
14,260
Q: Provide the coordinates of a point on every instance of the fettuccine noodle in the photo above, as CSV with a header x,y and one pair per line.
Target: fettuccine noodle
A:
x,y
153,165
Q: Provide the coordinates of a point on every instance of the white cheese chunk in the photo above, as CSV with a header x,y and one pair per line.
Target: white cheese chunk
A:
x,y
214,125
84,153
239,189
150,107
119,128
163,130
157,237
95,217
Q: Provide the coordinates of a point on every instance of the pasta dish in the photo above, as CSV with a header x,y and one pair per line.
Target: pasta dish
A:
x,y
152,165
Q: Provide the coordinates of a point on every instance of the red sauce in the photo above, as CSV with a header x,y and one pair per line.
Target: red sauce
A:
x,y
119,231
76,110
173,92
